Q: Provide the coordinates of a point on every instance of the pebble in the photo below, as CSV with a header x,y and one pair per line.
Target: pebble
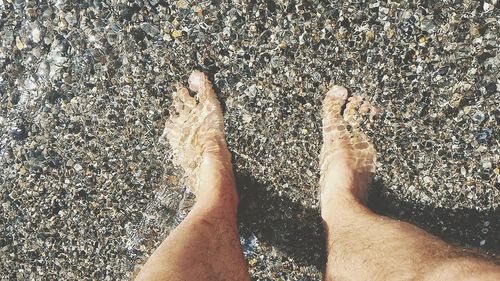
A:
x,y
487,165
176,33
71,19
7,38
20,44
487,7
23,171
478,117
491,88
182,4
150,29
77,167
36,35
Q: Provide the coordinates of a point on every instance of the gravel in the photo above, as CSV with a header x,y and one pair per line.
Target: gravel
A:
x,y
88,192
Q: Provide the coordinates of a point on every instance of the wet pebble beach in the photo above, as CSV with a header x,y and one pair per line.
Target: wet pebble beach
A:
x,y
87,190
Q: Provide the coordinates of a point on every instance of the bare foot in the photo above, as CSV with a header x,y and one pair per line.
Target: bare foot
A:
x,y
347,158
195,132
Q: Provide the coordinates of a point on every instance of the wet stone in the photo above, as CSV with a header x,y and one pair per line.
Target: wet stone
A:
x,y
478,117
18,133
150,29
491,87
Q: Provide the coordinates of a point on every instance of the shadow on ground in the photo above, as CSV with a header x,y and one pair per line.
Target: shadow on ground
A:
x,y
298,231
279,221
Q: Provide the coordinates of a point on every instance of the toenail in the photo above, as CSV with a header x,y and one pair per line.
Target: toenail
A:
x,y
337,92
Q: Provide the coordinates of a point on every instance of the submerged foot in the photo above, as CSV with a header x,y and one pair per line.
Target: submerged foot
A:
x,y
195,132
347,158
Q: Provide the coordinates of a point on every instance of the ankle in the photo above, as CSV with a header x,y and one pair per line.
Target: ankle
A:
x,y
341,207
217,205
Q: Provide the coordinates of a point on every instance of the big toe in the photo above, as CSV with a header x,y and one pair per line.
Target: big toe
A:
x,y
334,100
185,98
199,83
332,107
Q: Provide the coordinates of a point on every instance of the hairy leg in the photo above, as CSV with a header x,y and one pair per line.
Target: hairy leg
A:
x,y
361,244
206,245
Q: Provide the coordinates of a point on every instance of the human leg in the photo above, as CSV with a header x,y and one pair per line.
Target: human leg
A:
x,y
205,246
361,244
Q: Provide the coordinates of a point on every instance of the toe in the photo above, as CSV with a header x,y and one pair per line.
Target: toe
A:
x,y
334,100
199,83
351,114
373,112
332,107
364,108
196,80
367,109
183,104
186,98
170,134
177,104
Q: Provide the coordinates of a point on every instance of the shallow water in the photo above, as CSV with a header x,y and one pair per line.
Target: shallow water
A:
x,y
82,181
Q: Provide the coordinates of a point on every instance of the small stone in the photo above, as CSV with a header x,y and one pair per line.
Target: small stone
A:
x,y
390,33
150,29
31,12
112,37
71,19
484,135
18,133
30,84
491,88
182,4
172,179
474,31
427,25
482,243
47,40
463,171
43,69
78,167
36,35
176,33
455,100
487,165
19,44
253,28
23,171
487,7
486,224
198,11
370,35
7,38
467,109
70,163
252,262
478,117
247,118
422,40
176,23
